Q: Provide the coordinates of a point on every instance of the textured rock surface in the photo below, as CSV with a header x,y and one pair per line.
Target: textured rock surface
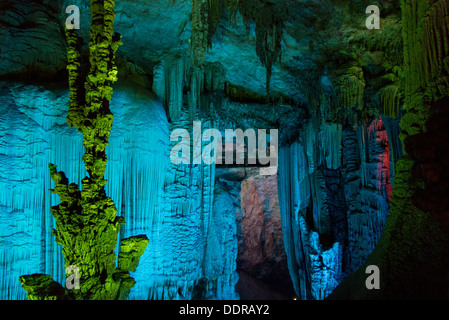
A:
x,y
261,259
334,202
36,134
193,249
343,97
33,37
87,226
160,197
412,239
261,245
429,152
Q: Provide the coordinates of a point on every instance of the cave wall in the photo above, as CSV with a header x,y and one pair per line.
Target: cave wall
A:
x,y
193,244
34,133
351,106
412,252
334,201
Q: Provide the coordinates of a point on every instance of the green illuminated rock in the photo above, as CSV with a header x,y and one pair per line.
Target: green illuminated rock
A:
x,y
86,223
130,251
41,287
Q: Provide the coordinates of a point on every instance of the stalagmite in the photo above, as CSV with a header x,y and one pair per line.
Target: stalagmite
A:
x,y
34,121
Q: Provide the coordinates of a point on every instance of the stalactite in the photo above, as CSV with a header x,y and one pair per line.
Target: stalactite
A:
x,y
390,101
268,17
159,81
190,231
406,252
393,129
269,31
309,263
383,166
331,144
367,163
426,48
302,188
135,171
215,13
311,186
320,210
170,76
33,135
200,31
348,98
195,93
174,75
232,6
174,88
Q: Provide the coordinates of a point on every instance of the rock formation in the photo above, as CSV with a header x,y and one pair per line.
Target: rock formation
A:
x,y
87,226
360,179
